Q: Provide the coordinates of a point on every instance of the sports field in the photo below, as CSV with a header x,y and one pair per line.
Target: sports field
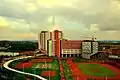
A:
x,y
48,67
56,69
95,70
52,65
42,65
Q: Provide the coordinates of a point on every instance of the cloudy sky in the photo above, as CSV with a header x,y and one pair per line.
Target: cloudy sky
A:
x,y
24,19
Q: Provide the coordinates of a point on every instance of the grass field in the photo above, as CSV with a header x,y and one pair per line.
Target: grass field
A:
x,y
50,65
95,70
40,68
42,65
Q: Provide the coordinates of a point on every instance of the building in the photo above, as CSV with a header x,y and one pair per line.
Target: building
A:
x,y
39,46
109,47
70,48
108,44
86,47
44,36
57,47
54,45
50,47
89,48
51,34
95,47
57,36
115,51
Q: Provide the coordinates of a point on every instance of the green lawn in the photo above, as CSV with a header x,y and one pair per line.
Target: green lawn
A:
x,y
51,65
95,70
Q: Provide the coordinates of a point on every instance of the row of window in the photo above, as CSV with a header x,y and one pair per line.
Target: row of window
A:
x,y
71,51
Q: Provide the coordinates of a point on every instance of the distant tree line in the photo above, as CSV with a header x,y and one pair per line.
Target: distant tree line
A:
x,y
19,46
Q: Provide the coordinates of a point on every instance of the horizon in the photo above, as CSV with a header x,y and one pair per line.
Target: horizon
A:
x,y
37,40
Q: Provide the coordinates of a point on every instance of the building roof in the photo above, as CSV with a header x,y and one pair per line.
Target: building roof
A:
x,y
44,31
57,31
109,41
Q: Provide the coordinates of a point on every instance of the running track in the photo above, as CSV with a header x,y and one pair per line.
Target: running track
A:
x,y
76,73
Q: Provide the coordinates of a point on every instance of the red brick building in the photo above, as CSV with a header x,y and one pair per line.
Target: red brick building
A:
x,y
71,48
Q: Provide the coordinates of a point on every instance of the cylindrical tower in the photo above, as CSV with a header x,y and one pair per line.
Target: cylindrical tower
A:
x,y
39,46
58,34
57,37
44,36
51,35
58,48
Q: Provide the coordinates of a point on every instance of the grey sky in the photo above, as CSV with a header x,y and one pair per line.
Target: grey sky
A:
x,y
75,17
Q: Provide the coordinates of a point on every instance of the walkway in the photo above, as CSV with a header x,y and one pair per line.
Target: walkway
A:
x,y
61,70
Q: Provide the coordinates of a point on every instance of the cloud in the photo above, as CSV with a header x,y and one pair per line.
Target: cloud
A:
x,y
82,16
26,36
54,3
3,22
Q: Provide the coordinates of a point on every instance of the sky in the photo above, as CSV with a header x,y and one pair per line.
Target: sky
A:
x,y
24,19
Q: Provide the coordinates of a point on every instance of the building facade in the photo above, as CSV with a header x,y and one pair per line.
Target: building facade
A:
x,y
57,36
70,48
39,42
44,36
89,48
50,47
86,47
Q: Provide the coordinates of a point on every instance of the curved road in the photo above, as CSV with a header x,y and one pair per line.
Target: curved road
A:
x,y
8,62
